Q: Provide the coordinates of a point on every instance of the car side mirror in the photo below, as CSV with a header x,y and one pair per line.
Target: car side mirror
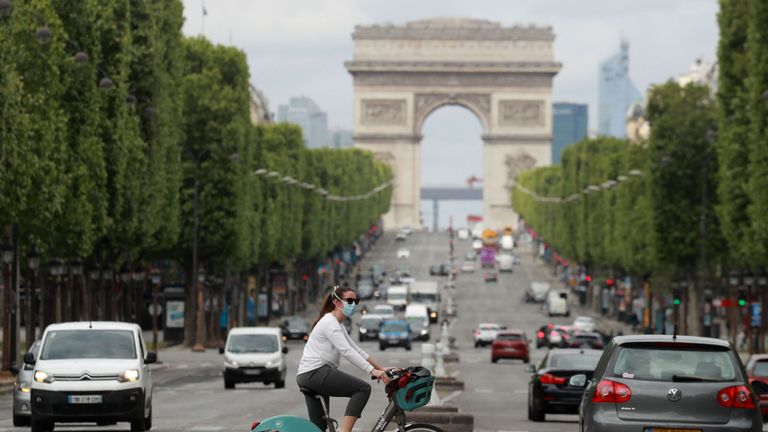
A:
x,y
29,358
221,350
285,350
530,368
760,387
14,370
578,380
151,357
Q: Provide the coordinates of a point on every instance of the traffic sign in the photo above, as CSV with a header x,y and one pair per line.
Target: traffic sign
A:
x,y
755,312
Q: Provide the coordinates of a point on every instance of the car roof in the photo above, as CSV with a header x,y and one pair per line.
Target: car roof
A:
x,y
93,325
574,351
621,340
514,332
488,324
256,330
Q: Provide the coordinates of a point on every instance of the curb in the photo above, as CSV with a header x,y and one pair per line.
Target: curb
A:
x,y
448,384
450,421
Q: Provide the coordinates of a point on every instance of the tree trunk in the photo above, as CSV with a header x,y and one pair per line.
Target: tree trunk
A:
x,y
693,307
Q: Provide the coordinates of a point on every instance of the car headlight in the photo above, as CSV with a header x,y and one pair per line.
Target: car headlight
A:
x,y
131,375
363,331
25,387
424,331
43,377
433,314
273,363
230,363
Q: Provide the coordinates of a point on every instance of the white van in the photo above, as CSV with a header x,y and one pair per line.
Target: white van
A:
x,y
397,296
505,262
463,234
557,303
507,242
99,364
417,316
254,354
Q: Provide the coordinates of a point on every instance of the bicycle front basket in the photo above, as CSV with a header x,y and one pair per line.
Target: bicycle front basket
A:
x,y
415,394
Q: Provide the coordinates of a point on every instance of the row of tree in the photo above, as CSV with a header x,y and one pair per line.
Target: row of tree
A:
x,y
112,130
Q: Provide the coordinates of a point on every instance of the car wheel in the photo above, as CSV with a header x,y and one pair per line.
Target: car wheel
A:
x,y
382,347
477,344
360,339
229,384
526,360
148,420
280,383
494,360
40,425
535,412
137,424
408,347
20,421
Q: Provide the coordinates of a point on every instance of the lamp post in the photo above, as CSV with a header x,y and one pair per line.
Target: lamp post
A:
x,y
138,276
125,280
200,324
33,262
156,277
76,293
7,255
94,274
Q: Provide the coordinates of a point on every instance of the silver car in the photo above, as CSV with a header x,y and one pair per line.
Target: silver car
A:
x,y
661,383
22,410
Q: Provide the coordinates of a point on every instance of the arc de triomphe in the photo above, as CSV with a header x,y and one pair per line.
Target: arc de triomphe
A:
x,y
502,74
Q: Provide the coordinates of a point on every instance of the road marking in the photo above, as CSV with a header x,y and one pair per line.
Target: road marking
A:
x,y
206,428
483,390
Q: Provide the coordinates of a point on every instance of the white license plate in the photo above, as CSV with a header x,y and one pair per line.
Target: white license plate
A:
x,y
253,372
84,399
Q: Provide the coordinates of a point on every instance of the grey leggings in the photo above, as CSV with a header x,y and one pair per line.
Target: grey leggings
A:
x,y
328,381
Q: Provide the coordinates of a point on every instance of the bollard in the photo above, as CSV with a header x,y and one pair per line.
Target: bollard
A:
x,y
440,363
445,338
449,310
428,357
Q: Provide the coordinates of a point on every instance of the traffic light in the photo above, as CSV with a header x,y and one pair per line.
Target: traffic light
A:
x,y
742,299
676,298
609,282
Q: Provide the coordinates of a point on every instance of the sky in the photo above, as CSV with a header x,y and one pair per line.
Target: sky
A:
x,y
298,47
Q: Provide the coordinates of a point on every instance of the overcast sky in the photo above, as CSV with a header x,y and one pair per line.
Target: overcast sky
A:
x,y
298,47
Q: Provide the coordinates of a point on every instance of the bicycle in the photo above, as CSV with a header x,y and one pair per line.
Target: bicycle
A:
x,y
407,390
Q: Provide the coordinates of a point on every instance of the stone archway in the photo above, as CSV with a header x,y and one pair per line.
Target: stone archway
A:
x,y
502,74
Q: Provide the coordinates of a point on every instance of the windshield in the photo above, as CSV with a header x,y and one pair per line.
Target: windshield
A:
x,y
575,361
383,310
761,368
394,328
89,344
371,323
252,343
424,298
297,323
699,363
396,295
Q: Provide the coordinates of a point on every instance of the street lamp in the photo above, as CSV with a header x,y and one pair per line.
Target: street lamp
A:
x,y
200,325
33,263
106,84
155,276
33,258
43,35
7,253
5,7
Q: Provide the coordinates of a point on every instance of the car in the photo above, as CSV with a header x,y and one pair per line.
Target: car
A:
x,y
490,276
477,244
369,327
467,267
471,256
403,253
557,303
378,274
536,292
381,292
400,276
516,260
22,409
584,323
505,262
406,229
510,344
295,328
365,289
582,339
668,382
548,387
419,331
507,242
446,269
254,354
385,311
434,270
401,236
91,371
552,336
485,333
395,333
418,317
757,372
462,234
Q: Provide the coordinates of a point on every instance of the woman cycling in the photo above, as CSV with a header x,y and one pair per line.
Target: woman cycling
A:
x,y
318,369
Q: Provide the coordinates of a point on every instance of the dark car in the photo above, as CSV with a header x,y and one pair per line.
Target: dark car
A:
x,y
490,276
395,333
582,339
757,372
549,390
666,382
398,277
434,270
365,289
295,328
419,329
369,327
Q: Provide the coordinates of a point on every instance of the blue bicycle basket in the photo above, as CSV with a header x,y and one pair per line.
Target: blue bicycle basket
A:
x,y
417,391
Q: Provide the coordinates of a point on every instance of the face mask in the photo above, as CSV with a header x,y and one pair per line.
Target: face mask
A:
x,y
348,310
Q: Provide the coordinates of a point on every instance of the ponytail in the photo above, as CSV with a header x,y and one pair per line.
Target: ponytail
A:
x,y
328,306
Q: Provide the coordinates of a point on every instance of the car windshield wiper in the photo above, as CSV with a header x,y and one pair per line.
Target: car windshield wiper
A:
x,y
690,378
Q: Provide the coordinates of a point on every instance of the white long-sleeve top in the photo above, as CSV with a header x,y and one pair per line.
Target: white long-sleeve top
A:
x,y
328,341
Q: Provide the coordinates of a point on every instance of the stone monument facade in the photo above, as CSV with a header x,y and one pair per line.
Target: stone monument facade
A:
x,y
502,74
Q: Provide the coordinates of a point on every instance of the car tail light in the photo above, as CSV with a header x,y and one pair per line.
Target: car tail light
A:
x,y
552,333
608,391
736,397
540,334
552,379
255,424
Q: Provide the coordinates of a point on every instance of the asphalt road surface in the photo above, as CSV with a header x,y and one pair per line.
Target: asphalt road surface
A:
x,y
190,395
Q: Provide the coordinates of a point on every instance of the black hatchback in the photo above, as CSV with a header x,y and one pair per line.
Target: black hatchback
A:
x,y
549,390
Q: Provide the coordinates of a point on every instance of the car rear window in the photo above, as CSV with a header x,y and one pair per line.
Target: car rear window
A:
x,y
394,327
575,361
679,363
761,368
489,327
252,343
89,344
509,337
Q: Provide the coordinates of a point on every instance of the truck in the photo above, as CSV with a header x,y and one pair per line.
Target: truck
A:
x,y
397,296
488,256
427,293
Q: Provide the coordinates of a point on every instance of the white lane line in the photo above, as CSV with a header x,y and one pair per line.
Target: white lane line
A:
x,y
206,428
477,390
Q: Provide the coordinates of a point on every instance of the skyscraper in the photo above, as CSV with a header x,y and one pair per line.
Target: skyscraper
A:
x,y
616,92
569,126
304,112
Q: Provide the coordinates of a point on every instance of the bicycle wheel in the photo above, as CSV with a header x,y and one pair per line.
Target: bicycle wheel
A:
x,y
421,427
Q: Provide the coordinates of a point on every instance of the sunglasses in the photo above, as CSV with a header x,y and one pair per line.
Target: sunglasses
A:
x,y
351,300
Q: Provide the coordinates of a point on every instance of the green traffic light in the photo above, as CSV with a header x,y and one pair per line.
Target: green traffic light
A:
x,y
742,302
676,302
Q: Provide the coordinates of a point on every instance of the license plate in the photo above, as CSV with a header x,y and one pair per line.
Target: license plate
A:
x,y
253,372
670,430
84,399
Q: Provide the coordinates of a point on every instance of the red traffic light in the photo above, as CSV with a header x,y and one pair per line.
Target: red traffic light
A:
x,y
609,282
588,278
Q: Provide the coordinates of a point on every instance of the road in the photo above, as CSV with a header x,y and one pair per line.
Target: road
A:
x,y
190,396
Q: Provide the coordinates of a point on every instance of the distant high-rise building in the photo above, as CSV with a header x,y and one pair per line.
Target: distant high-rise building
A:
x,y
616,93
304,112
569,126
341,138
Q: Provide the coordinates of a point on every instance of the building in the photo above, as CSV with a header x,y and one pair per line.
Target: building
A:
x,y
304,112
616,93
569,126
260,113
341,138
